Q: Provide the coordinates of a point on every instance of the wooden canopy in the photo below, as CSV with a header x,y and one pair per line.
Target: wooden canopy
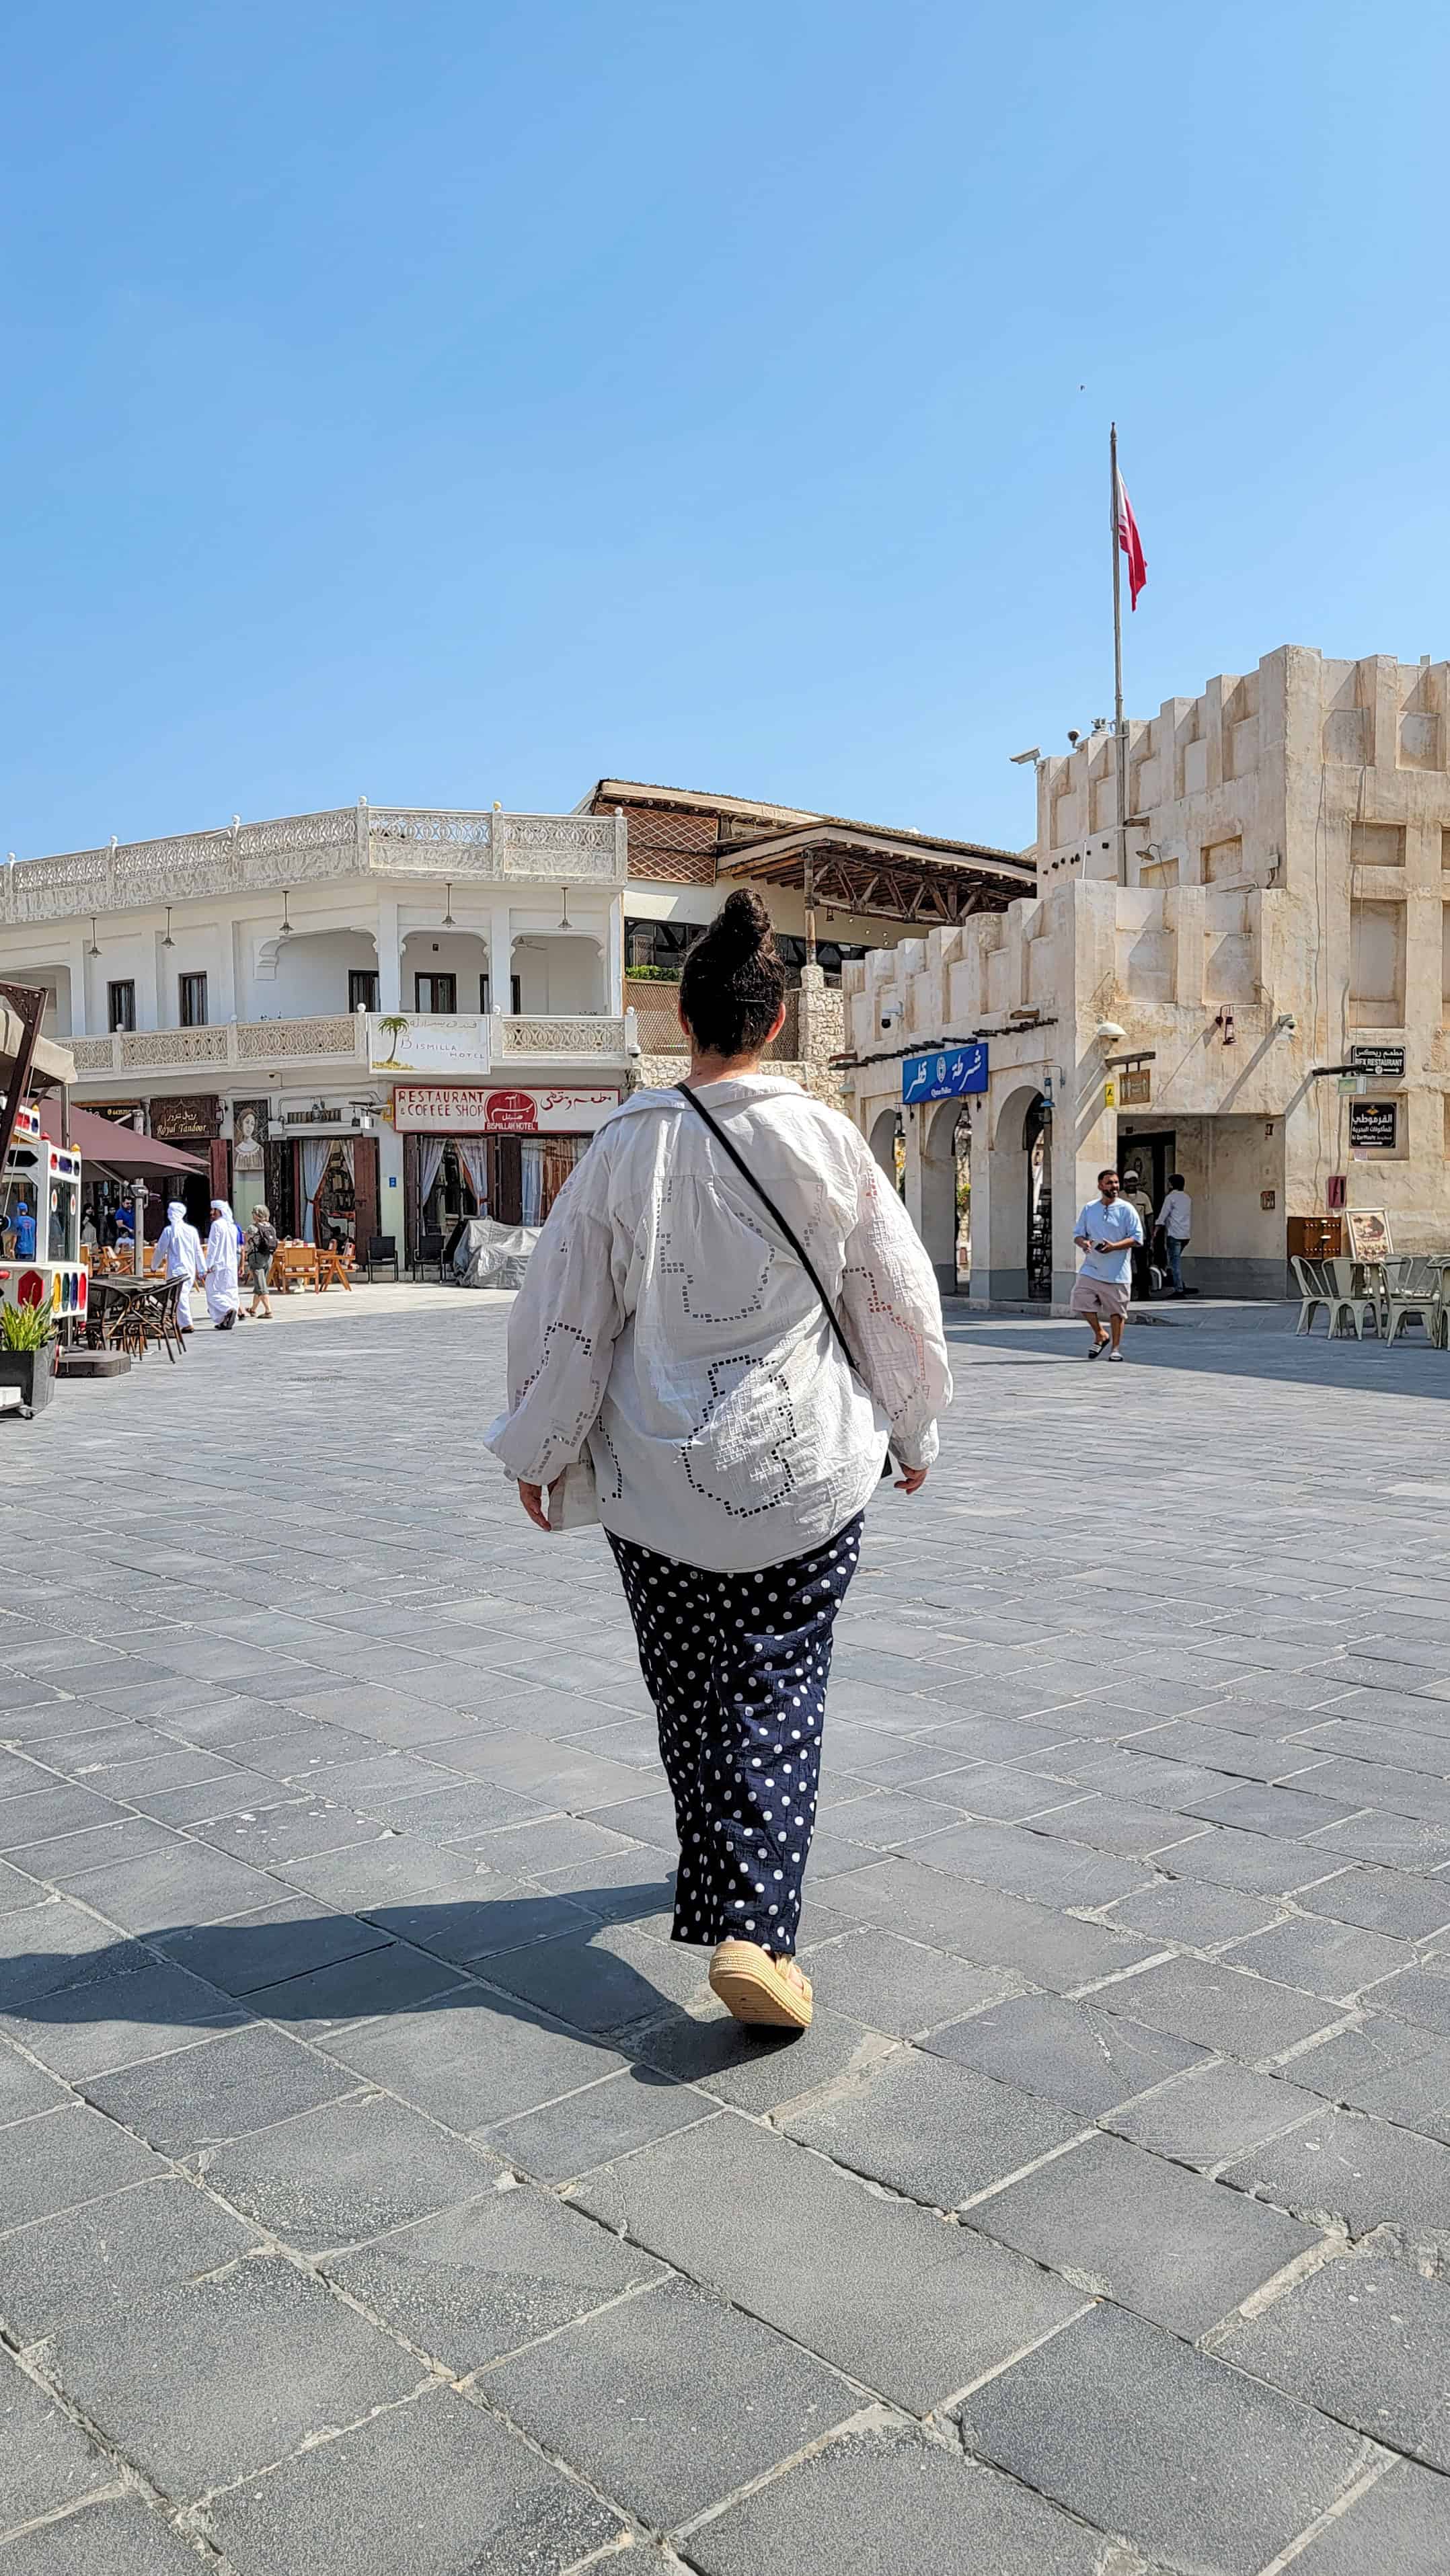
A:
x,y
886,876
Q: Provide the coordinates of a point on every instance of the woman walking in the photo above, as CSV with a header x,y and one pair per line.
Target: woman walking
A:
x,y
731,1343
180,1248
222,1297
260,1247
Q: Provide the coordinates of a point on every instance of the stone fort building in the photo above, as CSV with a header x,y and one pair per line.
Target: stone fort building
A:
x,y
1276,906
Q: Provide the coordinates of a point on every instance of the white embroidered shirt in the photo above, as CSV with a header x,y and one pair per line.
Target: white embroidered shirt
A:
x,y
666,1325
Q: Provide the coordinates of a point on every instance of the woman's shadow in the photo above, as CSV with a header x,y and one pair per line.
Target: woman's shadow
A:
x,y
568,1964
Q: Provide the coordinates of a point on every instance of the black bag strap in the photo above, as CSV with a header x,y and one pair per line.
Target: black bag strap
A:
x,y
766,1201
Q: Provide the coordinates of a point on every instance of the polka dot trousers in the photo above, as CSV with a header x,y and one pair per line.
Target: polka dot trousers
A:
x,y
737,1665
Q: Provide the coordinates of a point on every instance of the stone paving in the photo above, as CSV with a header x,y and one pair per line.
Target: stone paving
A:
x,y
381,2194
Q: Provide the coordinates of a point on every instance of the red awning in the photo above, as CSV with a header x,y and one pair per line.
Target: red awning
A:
x,y
118,1149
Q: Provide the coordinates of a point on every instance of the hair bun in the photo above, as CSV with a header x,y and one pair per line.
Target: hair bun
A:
x,y
739,931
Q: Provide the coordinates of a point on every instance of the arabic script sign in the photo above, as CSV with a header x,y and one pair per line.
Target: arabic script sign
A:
x,y
944,1075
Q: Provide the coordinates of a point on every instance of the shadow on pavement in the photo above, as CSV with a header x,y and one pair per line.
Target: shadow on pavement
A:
x,y
542,1960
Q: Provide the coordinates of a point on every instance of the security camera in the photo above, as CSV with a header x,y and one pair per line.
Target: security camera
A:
x,y
1109,1031
1073,736
891,1013
1286,1024
1020,758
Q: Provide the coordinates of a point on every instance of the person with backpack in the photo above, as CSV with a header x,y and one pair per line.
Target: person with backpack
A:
x,y
727,1324
261,1245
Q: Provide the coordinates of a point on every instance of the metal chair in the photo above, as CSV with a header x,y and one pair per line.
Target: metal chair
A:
x,y
1415,1296
382,1254
429,1254
1316,1289
1358,1294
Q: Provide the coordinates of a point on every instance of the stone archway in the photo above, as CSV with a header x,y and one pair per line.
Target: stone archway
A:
x,y
886,1143
945,1144
1020,1154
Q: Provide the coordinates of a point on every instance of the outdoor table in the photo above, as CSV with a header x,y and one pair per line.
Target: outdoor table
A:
x,y
331,1270
113,1304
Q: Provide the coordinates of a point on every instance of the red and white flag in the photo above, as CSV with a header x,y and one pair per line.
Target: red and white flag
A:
x,y
1131,543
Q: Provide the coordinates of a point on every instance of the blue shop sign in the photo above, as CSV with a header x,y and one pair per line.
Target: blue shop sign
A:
x,y
945,1075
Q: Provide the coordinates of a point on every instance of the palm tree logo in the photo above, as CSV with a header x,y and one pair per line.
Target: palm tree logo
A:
x,y
394,1028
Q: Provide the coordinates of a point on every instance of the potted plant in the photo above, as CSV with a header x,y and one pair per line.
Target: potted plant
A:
x,y
27,1353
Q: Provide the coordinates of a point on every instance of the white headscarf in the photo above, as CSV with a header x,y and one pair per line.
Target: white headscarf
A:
x,y
176,1215
221,1208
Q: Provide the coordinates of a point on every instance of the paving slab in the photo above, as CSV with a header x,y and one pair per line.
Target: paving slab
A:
x,y
1359,2173
598,2123
1212,2113
937,2131
892,2499
909,2305
1220,2007
114,2537
1401,2524
1367,2340
438,2488
248,2078
296,2359
351,2169
900,1988
1238,2470
62,2158
499,2272
129,2004
86,2269
472,2064
609,2393
45,2459
1129,2226
1078,2054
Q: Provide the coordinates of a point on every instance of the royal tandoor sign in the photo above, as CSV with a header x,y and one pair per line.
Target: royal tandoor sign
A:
x,y
472,1109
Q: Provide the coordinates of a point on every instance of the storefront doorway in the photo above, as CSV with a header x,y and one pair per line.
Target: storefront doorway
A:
x,y
1153,1154
1037,1148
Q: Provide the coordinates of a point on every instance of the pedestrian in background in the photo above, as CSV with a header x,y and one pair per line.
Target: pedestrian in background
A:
x,y
222,1298
730,1312
1106,1232
261,1244
1136,1197
1175,1220
180,1248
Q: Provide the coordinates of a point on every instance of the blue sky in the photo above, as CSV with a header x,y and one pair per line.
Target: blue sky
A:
x,y
454,401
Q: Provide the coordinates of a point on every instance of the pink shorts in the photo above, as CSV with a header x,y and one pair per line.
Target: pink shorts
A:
x,y
1099,1296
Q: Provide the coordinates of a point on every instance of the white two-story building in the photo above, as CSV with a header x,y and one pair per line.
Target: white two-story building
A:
x,y
382,1019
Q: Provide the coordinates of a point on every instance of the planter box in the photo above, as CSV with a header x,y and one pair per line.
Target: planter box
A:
x,y
33,1372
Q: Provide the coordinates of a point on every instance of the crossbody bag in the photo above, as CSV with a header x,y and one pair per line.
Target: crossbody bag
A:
x,y
573,1502
792,1238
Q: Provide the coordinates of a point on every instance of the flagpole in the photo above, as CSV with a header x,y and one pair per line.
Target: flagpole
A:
x,y
1120,736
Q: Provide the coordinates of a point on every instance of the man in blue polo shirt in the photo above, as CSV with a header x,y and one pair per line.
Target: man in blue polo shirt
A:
x,y
1105,1234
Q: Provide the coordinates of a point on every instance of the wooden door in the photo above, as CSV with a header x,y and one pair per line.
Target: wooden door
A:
x,y
365,1189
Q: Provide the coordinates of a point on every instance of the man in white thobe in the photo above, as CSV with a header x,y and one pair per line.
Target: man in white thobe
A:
x,y
180,1249
222,1294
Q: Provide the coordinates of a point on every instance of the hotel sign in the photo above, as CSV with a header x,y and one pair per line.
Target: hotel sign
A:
x,y
473,1109
452,1043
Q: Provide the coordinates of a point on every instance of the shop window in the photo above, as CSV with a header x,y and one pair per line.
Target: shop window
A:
x,y
831,955
192,994
435,993
362,988
121,1005
658,947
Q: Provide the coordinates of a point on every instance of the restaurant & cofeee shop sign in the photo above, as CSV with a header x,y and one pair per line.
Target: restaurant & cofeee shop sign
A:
x,y
475,1109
